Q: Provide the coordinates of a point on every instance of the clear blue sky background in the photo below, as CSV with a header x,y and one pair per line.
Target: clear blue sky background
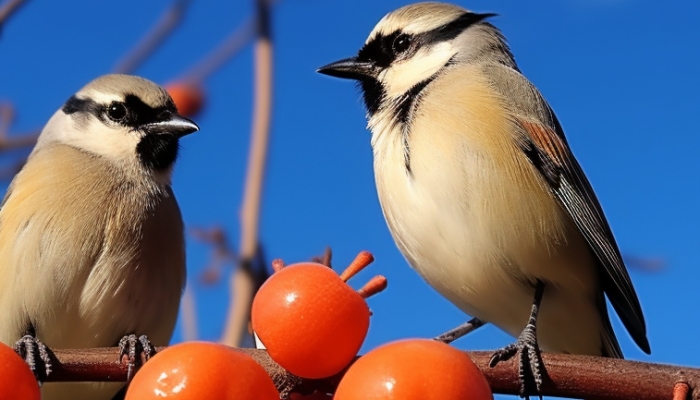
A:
x,y
622,75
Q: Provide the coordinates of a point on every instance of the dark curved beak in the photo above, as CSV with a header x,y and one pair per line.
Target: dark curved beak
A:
x,y
175,125
350,68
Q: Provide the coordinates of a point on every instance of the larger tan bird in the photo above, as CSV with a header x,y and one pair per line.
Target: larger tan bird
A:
x,y
481,191
91,237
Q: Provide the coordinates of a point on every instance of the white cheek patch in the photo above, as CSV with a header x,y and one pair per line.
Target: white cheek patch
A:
x,y
89,133
403,75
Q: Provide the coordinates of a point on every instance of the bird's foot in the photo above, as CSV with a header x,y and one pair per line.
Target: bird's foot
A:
x,y
36,355
530,367
129,347
456,333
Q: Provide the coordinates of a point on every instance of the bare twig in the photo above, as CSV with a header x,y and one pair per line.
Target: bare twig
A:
x,y
232,44
188,311
566,375
12,142
22,141
645,264
221,254
167,23
7,116
324,259
7,9
244,276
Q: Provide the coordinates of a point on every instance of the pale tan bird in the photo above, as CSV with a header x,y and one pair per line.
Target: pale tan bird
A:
x,y
480,189
91,237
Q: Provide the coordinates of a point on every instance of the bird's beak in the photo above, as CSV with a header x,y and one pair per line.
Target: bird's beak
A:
x,y
176,125
350,68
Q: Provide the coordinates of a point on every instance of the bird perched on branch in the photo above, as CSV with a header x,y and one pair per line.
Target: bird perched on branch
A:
x,y
481,191
91,237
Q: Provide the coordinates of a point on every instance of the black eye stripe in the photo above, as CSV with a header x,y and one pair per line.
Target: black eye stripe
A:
x,y
75,104
138,112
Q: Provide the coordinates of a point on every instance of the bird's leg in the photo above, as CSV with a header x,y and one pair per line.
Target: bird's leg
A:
x,y
530,362
34,353
129,346
456,333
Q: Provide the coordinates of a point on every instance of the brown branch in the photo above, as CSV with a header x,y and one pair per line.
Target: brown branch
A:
x,y
566,375
12,142
257,159
232,45
243,280
8,9
188,310
221,252
15,142
167,23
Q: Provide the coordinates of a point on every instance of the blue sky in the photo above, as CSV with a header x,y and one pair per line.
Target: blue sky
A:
x,y
620,74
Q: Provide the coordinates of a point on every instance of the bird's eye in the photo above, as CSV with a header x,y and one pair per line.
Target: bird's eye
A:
x,y
116,111
401,43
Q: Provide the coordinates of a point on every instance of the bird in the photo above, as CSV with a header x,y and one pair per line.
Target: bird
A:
x,y
481,191
91,235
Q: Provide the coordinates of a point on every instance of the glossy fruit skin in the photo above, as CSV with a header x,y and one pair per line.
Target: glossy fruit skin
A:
x,y
16,379
188,97
311,322
201,370
414,369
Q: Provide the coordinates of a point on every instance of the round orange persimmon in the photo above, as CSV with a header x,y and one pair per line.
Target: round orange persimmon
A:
x,y
412,370
16,379
188,97
201,370
311,322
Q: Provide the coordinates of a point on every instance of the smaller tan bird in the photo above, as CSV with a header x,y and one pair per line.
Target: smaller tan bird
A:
x,y
91,237
480,190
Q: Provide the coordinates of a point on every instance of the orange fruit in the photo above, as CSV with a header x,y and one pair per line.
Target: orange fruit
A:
x,y
17,381
411,370
311,322
188,97
201,370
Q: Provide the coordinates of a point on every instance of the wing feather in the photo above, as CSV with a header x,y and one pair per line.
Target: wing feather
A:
x,y
547,149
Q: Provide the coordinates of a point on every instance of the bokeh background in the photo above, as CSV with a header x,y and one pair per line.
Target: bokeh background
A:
x,y
622,75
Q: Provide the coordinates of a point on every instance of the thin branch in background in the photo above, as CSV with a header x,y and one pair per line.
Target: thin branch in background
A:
x,y
324,259
645,264
167,23
12,142
232,45
221,253
189,315
566,375
7,117
9,172
8,9
244,276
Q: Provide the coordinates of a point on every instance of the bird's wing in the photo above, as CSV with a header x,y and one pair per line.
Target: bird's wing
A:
x,y
548,151
542,140
37,270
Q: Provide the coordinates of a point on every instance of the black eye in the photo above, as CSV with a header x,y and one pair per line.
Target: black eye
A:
x,y
401,43
116,111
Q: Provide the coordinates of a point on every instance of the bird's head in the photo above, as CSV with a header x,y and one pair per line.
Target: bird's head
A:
x,y
126,119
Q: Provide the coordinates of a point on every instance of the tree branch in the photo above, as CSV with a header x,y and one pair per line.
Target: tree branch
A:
x,y
243,279
167,23
9,8
232,44
567,375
